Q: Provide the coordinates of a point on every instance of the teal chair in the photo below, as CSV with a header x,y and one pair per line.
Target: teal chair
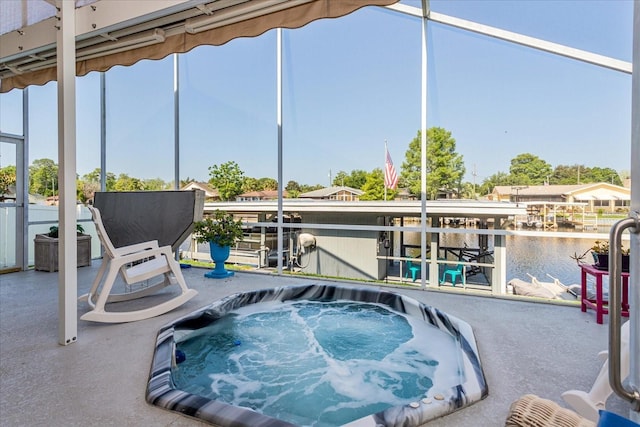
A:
x,y
454,273
412,268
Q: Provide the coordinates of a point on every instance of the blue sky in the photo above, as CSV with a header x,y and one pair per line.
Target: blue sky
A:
x,y
354,82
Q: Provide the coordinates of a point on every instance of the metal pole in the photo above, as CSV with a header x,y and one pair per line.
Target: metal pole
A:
x,y
423,154
68,274
103,133
279,120
634,267
632,395
176,122
384,181
23,159
176,130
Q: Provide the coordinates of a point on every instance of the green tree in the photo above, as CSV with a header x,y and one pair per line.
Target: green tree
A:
x,y
267,184
86,189
445,167
305,188
356,179
528,169
7,179
293,189
340,179
187,180
154,184
94,177
249,184
598,174
575,174
567,175
467,191
258,184
410,171
228,179
293,186
43,177
127,183
374,187
499,178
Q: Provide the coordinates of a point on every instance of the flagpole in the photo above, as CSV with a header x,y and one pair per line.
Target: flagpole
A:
x,y
385,163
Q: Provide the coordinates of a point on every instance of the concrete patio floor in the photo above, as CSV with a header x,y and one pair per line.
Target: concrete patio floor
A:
x,y
100,380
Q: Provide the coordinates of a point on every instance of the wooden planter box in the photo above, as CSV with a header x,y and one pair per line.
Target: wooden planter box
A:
x,y
46,252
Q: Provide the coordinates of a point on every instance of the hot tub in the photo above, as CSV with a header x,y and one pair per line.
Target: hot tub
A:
x,y
438,396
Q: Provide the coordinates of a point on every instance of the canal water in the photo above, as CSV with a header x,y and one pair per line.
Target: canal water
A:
x,y
550,255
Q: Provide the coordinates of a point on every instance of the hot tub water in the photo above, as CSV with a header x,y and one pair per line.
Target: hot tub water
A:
x,y
314,363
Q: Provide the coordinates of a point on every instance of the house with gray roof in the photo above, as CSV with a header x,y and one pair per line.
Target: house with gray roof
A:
x,y
346,194
254,196
597,196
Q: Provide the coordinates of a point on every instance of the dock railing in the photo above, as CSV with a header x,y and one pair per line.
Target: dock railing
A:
x,y
357,252
253,250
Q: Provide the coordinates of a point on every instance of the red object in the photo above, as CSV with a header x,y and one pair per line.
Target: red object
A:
x,y
599,304
390,175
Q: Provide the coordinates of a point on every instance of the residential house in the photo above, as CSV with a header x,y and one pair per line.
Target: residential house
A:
x,y
210,194
404,194
600,196
346,194
254,196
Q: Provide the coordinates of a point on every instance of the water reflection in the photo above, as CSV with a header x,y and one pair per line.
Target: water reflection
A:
x,y
541,256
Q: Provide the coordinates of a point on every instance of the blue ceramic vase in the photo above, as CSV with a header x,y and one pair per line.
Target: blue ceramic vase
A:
x,y
219,254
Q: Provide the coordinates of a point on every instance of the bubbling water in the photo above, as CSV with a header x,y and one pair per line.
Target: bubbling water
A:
x,y
317,363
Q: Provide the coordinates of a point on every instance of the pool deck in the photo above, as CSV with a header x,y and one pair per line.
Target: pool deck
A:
x,y
525,347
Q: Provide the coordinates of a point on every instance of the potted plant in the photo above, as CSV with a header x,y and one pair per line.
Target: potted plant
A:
x,y
625,259
221,231
600,251
46,249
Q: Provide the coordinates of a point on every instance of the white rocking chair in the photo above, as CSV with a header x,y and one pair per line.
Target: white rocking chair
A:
x,y
589,404
135,263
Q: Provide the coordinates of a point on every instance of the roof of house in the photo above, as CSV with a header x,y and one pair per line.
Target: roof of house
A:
x,y
537,190
263,194
456,208
553,190
195,185
328,191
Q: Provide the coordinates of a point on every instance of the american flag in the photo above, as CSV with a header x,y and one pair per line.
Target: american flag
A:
x,y
390,175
